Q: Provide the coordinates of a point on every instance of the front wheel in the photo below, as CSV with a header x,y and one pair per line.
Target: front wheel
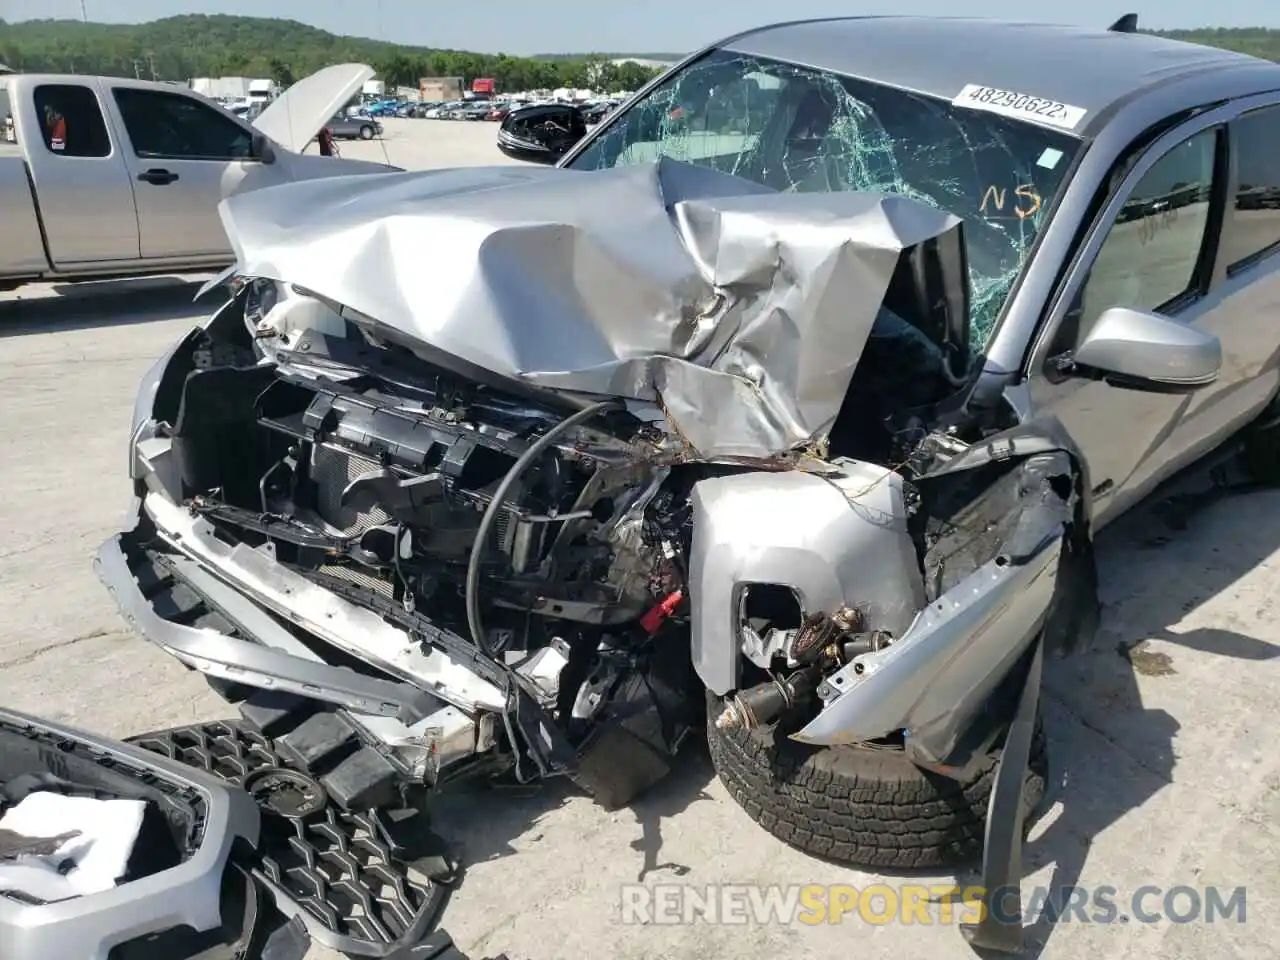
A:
x,y
366,132
863,805
1261,452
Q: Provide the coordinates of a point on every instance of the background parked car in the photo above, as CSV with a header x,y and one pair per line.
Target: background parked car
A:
x,y
351,128
542,133
473,111
441,111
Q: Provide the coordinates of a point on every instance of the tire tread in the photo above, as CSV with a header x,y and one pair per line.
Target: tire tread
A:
x,y
860,806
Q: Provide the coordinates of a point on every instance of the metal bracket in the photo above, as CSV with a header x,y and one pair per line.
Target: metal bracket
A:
x,y
999,928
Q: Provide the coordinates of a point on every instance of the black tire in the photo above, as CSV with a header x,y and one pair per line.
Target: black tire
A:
x,y
366,132
1260,455
860,806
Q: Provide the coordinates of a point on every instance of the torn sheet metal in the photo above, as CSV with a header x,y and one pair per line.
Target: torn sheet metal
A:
x,y
739,310
1076,616
1039,583
936,678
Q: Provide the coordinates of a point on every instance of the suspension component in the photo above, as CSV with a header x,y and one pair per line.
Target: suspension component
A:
x,y
762,704
820,634
861,643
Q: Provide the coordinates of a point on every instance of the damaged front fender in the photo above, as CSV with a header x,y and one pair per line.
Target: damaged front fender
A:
x,y
1015,562
833,540
933,680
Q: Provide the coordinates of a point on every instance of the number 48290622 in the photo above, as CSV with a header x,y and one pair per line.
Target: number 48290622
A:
x,y
1019,102
1012,103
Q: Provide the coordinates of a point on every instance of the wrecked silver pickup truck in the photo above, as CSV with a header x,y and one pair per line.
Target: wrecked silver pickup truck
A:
x,y
788,404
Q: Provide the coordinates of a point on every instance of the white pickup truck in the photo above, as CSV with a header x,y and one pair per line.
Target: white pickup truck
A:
x,y
109,177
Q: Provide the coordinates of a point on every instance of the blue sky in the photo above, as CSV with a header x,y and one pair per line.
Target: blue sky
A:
x,y
547,26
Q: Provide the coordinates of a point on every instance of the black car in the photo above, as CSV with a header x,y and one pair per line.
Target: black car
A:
x,y
541,133
593,113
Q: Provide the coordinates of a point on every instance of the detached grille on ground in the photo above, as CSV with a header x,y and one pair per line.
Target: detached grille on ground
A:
x,y
340,867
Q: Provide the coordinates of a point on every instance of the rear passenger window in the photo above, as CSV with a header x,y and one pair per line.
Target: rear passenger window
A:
x,y
1151,255
1254,230
71,121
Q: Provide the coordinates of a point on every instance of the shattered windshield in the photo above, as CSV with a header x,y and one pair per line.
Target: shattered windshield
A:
x,y
797,129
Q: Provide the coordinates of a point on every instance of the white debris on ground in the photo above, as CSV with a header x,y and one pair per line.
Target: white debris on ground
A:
x,y
90,841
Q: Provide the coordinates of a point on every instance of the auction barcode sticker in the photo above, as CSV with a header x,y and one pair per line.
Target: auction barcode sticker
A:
x,y
1020,106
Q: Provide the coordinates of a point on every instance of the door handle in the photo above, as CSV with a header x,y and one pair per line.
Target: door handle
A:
x,y
157,177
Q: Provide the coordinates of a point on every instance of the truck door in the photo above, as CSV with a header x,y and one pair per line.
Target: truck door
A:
x,y
81,182
184,157
1151,250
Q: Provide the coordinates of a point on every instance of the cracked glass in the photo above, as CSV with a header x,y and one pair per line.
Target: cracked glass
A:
x,y
795,128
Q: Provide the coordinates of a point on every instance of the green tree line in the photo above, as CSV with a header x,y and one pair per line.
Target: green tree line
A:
x,y
179,48
1255,41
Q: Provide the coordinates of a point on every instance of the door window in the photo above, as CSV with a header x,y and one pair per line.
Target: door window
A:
x,y
1152,256
518,125
535,125
171,126
71,120
557,127
1254,228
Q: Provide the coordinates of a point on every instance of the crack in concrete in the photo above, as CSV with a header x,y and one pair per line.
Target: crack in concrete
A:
x,y
34,655
29,548
1092,728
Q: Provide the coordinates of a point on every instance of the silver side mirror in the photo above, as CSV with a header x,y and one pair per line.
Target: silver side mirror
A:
x,y
1145,351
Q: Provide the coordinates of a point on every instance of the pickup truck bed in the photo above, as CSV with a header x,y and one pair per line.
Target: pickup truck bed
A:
x,y
23,254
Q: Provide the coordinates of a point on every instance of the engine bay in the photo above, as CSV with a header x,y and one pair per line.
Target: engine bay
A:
x,y
551,534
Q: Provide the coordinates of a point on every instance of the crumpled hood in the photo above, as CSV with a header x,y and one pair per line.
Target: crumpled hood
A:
x,y
739,311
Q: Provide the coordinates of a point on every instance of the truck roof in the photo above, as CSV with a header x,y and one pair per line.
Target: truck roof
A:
x,y
1081,66
35,79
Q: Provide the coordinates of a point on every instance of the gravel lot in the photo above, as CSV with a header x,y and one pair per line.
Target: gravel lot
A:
x,y
1164,764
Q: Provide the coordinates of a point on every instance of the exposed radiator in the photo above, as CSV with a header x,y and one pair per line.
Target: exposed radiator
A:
x,y
365,580
332,471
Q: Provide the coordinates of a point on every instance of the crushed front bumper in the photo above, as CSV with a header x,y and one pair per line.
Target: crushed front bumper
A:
x,y
181,598
368,697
